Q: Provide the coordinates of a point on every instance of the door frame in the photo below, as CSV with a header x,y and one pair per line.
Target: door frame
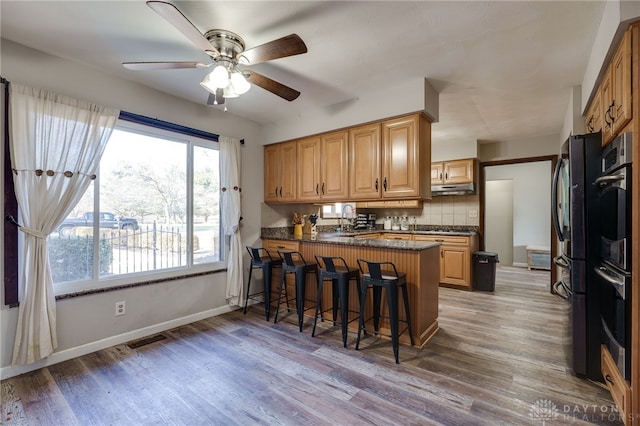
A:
x,y
482,186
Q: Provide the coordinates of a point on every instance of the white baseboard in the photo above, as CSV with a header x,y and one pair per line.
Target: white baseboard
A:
x,y
520,265
67,354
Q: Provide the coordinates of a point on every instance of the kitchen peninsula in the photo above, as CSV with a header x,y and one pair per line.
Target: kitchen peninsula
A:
x,y
418,259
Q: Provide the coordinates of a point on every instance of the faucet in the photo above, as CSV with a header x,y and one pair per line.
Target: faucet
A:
x,y
346,207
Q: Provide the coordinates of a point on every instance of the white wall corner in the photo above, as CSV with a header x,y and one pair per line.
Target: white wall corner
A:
x,y
605,36
573,123
431,102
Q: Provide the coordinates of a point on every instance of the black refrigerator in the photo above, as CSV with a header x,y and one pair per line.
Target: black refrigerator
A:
x,y
575,215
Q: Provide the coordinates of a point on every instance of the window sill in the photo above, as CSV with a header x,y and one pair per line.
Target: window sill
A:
x,y
117,287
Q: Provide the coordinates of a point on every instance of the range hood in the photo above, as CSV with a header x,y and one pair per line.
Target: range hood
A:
x,y
455,189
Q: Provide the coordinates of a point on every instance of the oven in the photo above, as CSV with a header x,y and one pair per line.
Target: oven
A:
x,y
613,268
615,315
614,193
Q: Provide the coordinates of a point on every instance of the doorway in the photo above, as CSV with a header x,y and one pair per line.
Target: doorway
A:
x,y
499,219
531,207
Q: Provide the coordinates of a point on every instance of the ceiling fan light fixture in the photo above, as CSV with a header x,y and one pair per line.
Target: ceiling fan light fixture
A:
x,y
219,76
239,82
230,92
207,84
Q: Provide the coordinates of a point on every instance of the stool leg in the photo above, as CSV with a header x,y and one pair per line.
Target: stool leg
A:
x,y
267,290
335,295
392,299
405,296
377,296
363,298
343,289
318,304
246,299
300,296
282,283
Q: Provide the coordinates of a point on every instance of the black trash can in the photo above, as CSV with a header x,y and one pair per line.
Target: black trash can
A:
x,y
484,270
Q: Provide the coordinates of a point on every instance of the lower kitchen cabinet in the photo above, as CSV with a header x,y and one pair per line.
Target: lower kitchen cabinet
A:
x,y
455,258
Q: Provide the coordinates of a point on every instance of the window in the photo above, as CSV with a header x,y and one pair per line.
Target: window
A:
x,y
154,209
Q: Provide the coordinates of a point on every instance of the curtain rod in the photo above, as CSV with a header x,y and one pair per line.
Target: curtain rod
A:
x,y
3,80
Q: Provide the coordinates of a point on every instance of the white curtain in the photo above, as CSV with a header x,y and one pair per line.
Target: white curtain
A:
x,y
56,143
230,183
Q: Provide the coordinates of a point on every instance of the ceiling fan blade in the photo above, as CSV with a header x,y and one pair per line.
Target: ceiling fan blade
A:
x,y
172,15
281,48
217,99
146,66
272,86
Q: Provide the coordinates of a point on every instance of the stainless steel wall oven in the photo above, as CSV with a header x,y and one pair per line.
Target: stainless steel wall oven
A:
x,y
614,266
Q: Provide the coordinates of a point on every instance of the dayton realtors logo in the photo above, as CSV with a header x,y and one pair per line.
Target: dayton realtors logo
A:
x,y
544,410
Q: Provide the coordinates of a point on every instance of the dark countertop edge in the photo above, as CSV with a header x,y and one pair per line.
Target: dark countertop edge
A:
x,y
357,242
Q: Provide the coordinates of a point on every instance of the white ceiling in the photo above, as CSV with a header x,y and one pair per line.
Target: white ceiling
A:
x,y
503,69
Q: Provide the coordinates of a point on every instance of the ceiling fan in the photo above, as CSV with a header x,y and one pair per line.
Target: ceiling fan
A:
x,y
227,51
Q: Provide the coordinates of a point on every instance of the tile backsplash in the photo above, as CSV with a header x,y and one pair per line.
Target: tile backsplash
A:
x,y
454,210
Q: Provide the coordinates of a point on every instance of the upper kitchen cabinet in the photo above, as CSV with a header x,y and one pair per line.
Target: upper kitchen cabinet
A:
x,y
364,162
593,116
280,172
406,144
615,91
455,171
385,159
322,167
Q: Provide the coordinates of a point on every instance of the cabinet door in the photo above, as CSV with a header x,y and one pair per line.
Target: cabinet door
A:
x,y
288,166
458,171
606,94
437,173
334,166
364,162
593,117
621,84
271,173
400,158
454,265
309,180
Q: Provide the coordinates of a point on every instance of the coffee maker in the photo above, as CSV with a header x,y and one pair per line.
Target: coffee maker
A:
x,y
371,221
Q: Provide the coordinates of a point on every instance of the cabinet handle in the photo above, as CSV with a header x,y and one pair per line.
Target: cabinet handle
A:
x,y
441,254
376,184
281,191
590,125
317,188
608,379
440,176
276,191
609,112
439,240
384,184
322,188
446,176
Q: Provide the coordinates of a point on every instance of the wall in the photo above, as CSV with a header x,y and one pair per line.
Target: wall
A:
x,y
87,323
531,203
351,112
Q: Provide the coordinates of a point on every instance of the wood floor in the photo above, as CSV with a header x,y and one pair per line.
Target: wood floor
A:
x,y
498,358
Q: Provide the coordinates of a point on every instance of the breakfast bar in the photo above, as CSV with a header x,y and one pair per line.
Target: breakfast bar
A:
x,y
418,259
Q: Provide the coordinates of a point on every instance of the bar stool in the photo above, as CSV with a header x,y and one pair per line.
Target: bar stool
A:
x,y
375,277
336,269
294,263
262,259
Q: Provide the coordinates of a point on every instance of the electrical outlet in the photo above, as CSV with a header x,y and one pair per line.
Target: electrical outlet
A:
x,y
473,213
120,308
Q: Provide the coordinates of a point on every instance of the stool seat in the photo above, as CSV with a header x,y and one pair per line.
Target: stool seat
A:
x,y
375,276
294,263
336,269
261,259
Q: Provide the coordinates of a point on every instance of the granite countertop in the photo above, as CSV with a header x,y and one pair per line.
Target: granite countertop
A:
x,y
348,239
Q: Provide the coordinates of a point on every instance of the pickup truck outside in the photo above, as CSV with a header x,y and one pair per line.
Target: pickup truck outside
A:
x,y
107,220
